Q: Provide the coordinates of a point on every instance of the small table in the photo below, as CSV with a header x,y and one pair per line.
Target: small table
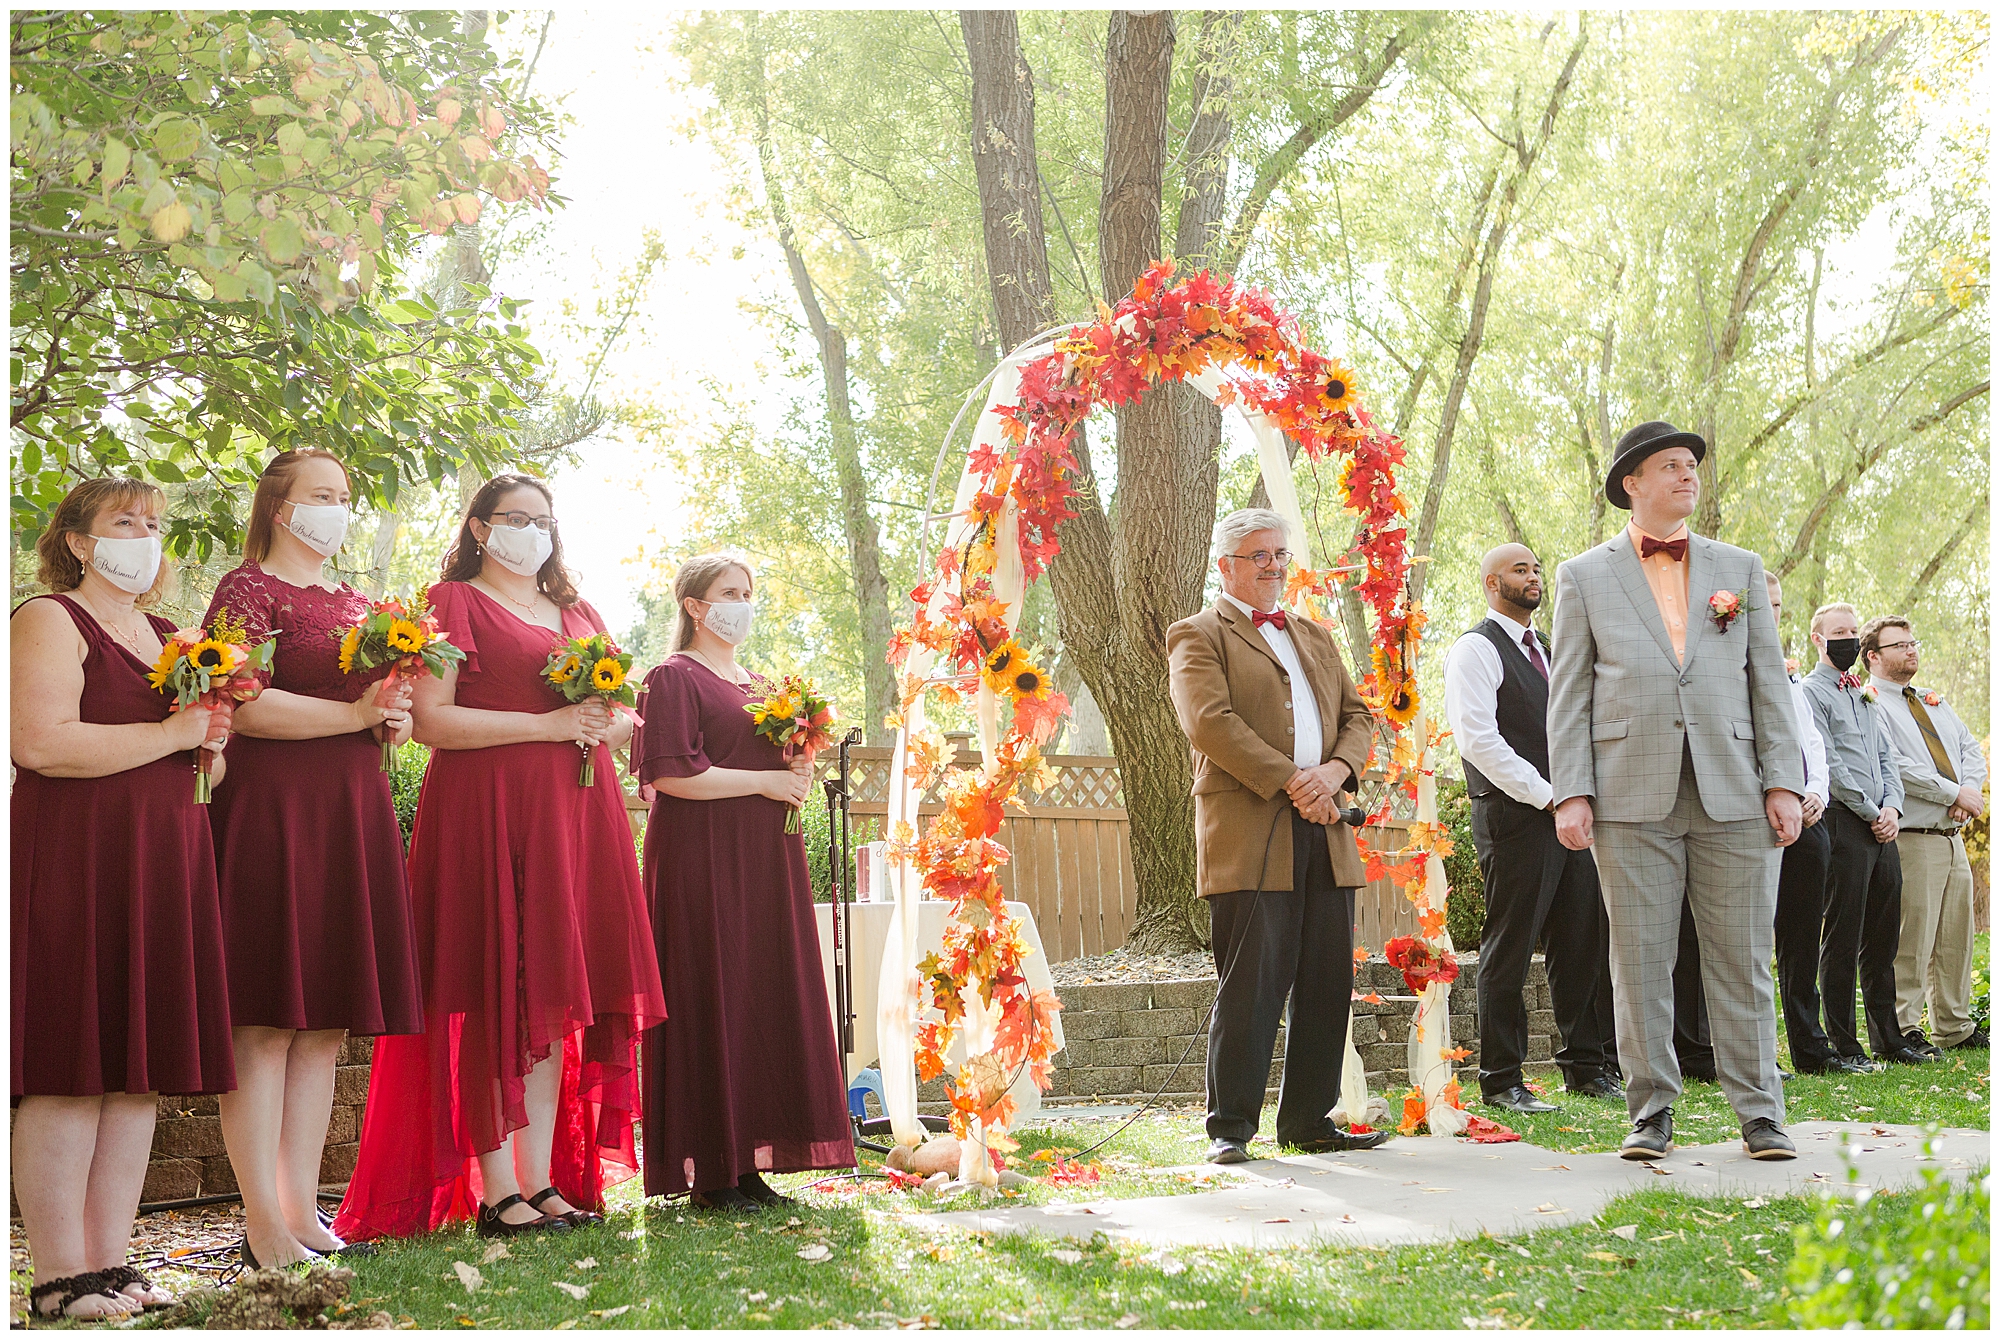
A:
x,y
868,928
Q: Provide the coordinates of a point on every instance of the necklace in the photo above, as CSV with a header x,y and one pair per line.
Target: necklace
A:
x,y
531,607
129,639
720,673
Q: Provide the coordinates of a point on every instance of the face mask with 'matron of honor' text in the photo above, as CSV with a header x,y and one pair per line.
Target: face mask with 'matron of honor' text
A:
x,y
729,620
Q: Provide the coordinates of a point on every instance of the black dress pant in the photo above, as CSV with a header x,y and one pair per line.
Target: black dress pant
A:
x,y
1864,916
1296,942
1801,916
1691,1043
1539,891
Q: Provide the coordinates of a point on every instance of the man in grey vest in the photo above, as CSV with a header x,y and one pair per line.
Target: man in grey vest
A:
x,y
1674,751
1496,697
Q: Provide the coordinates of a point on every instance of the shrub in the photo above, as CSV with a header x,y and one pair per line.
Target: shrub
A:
x,y
1465,904
408,783
1912,1259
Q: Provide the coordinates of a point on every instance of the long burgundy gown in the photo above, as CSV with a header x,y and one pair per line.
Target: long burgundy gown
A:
x,y
309,857
531,936
745,1074
117,973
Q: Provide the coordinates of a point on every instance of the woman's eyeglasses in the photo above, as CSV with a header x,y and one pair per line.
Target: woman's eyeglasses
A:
x,y
521,521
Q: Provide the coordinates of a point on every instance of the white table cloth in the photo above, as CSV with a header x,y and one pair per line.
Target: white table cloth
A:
x,y
869,928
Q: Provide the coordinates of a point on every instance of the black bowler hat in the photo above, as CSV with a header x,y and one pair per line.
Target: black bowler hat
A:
x,y
1639,443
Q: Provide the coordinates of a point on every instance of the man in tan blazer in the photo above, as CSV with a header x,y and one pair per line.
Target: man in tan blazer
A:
x,y
1278,732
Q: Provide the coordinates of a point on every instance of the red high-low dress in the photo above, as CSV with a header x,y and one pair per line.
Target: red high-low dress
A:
x,y
531,936
308,854
745,1074
117,970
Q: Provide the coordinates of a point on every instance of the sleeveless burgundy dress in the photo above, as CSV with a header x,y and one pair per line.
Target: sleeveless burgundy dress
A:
x,y
117,970
309,857
531,937
745,1074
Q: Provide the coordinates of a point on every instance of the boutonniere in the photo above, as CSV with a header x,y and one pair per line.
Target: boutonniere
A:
x,y
1868,693
1792,666
1932,698
1725,607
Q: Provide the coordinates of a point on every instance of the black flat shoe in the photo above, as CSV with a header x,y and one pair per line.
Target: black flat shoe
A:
x,y
753,1185
346,1251
574,1218
491,1225
1520,1098
1599,1086
728,1199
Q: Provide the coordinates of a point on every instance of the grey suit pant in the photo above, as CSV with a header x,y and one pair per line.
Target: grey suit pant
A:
x,y
1728,875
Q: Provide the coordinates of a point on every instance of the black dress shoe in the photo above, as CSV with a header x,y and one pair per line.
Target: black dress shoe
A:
x,y
1976,1041
753,1185
1651,1138
1855,1065
1229,1151
1764,1138
1699,1074
1909,1056
728,1199
1599,1086
1520,1098
1337,1141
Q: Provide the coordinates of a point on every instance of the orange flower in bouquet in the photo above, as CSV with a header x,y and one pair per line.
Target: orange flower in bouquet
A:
x,y
213,667
798,719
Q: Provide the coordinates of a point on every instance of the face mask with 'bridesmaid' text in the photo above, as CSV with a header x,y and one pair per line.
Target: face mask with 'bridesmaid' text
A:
x,y
520,551
128,564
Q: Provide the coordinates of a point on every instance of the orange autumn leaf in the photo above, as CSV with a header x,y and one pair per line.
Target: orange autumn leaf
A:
x,y
1432,922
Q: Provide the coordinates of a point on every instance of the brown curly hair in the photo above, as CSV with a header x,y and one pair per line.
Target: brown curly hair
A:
x,y
465,558
61,569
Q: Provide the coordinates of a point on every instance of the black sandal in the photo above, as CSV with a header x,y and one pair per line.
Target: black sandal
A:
x,y
574,1218
727,1199
352,1251
120,1276
753,1185
491,1225
72,1288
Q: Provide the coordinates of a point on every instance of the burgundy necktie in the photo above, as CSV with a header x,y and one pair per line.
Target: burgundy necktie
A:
x,y
1276,618
1677,550
1533,645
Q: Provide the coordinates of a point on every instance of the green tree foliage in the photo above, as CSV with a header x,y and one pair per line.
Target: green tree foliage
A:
x,y
210,216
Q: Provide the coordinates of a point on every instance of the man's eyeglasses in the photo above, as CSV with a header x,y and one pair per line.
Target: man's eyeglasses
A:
x,y
521,521
1912,644
1265,558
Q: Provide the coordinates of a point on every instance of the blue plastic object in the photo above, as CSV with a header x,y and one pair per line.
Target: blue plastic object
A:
x,y
867,1082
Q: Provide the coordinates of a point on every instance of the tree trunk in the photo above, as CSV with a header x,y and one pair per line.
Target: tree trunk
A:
x,y
1003,155
864,539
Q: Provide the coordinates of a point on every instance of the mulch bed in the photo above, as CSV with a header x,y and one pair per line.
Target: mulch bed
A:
x,y
1125,965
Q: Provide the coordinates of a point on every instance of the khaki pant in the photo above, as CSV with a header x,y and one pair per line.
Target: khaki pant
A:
x,y
1934,950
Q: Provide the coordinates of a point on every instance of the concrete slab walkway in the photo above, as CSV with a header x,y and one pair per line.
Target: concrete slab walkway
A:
x,y
1427,1190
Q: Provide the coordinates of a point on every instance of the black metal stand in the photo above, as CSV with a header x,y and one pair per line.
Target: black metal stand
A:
x,y
840,861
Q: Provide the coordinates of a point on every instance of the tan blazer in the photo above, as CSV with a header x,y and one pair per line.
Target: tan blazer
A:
x,y
1233,698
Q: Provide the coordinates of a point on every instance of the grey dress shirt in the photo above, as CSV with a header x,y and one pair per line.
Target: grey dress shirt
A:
x,y
1930,794
1860,762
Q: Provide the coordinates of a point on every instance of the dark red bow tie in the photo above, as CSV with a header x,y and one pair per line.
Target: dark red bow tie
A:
x,y
1677,550
1276,618
1849,680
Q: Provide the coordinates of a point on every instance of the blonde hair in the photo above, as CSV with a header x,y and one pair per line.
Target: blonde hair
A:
x,y
1837,607
61,569
272,486
692,583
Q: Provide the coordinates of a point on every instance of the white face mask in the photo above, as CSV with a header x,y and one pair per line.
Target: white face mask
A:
x,y
321,529
730,621
522,551
128,564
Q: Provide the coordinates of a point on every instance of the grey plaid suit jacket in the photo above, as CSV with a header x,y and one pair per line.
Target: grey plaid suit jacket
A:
x,y
1620,705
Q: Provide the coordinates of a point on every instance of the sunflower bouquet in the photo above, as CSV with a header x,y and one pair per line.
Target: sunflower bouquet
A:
x,y
214,667
797,718
592,667
404,635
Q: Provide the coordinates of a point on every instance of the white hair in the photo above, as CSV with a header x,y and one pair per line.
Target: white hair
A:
x,y
1247,521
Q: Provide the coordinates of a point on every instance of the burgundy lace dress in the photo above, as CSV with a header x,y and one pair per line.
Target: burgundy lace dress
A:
x,y
116,966
309,857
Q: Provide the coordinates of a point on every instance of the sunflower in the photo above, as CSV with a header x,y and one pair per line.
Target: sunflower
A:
x,y
349,645
170,656
1399,702
405,636
607,676
1028,681
565,670
212,657
1002,664
1338,392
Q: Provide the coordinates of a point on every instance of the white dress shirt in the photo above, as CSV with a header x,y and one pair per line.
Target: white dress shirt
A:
x,y
1928,794
1472,677
1810,738
1307,739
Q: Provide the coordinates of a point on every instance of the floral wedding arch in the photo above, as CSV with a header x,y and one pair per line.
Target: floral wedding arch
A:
x,y
1239,348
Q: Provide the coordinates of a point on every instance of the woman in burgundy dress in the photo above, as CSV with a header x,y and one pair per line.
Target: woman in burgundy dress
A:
x,y
532,938
116,970
309,858
744,1077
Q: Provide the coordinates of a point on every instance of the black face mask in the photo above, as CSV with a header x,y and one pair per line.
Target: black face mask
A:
x,y
1842,651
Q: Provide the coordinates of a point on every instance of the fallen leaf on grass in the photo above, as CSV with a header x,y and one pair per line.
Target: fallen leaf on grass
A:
x,y
1277,1221
469,1276
587,1263
1749,1278
1567,1130
634,1235
1629,1232
757,1297
611,1311
819,1251
1066,1256
758,1316
1169,1266
497,1252
1127,1322
577,1291
1755,1203
1663,1237
565,1324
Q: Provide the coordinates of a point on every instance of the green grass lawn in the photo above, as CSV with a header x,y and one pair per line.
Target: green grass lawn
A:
x,y
1689,1261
